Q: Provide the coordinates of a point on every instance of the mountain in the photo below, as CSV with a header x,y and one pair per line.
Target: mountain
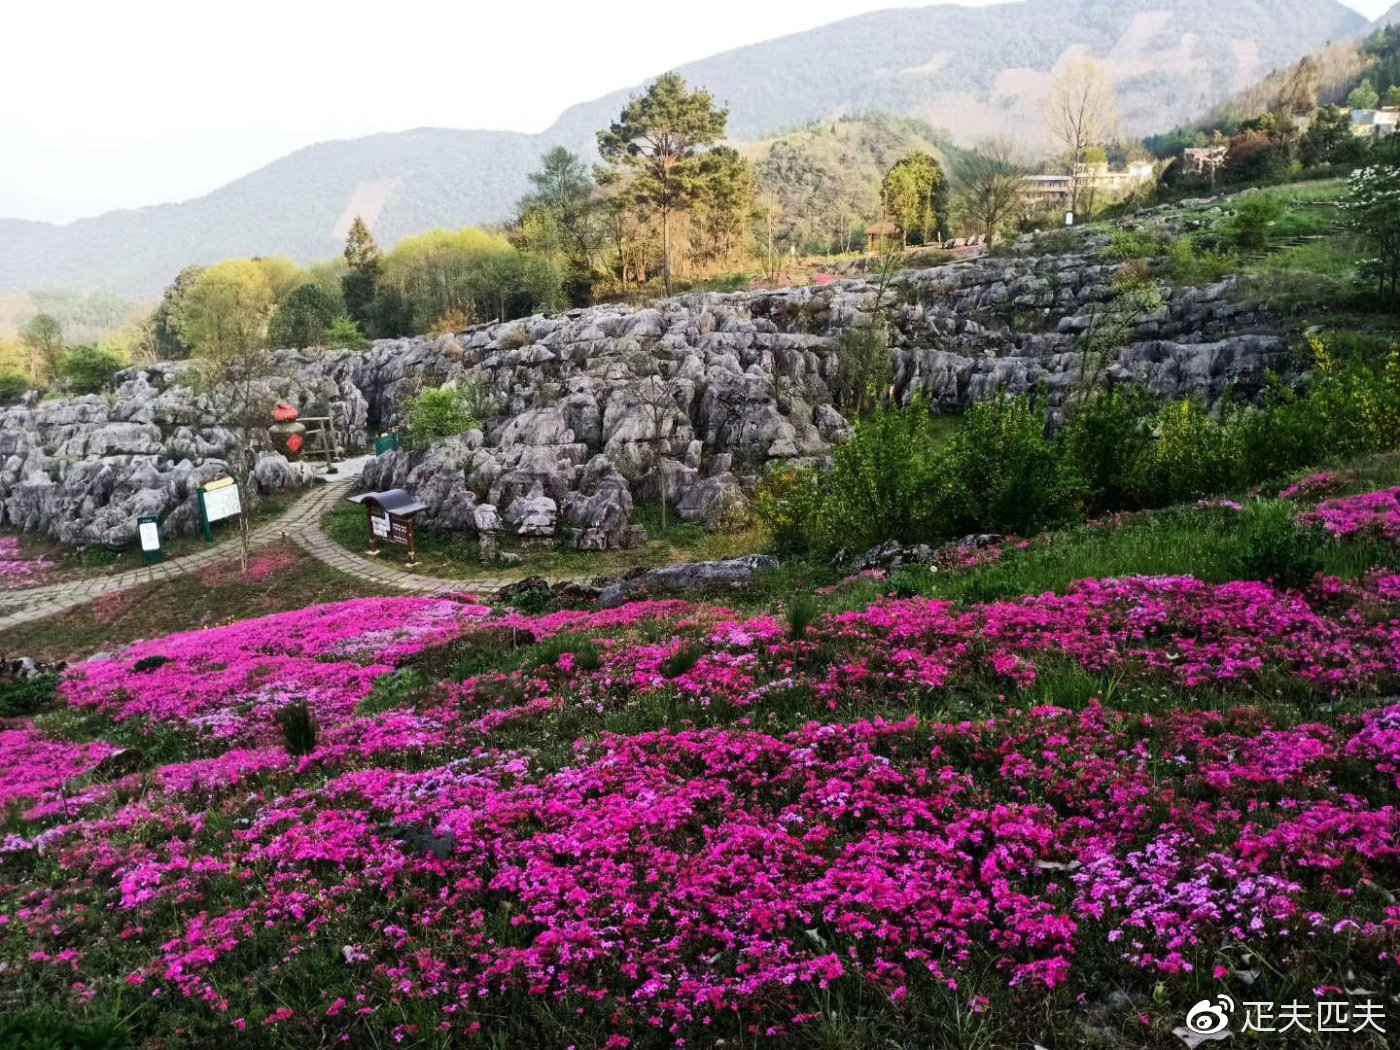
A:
x,y
1391,17
975,71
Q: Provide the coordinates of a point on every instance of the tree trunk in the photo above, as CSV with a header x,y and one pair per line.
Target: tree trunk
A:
x,y
666,248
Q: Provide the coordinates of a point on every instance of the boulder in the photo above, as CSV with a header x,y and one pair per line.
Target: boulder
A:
x,y
694,579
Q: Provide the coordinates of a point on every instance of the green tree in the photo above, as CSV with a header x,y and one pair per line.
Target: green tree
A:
x,y
1364,96
360,284
345,334
224,316
1371,208
914,194
992,180
659,140
729,201
561,218
42,336
304,317
444,275
169,344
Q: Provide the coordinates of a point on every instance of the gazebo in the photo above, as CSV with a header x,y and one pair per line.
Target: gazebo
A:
x,y
883,237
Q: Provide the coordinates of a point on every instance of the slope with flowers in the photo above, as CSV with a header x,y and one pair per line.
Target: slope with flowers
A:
x,y
1060,818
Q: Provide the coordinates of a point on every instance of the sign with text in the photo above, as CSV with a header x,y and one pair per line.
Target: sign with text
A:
x,y
148,533
222,500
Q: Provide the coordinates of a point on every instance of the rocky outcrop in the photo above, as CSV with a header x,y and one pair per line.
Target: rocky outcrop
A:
x,y
705,578
83,470
593,409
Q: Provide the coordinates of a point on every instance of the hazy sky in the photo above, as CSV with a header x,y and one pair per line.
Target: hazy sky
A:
x,y
107,105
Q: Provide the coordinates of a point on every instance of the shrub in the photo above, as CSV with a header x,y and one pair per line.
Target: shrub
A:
x,y
865,368
1191,263
1279,437
1002,473
439,413
1194,455
298,729
25,696
1357,406
788,505
881,485
147,664
345,334
12,384
86,369
1103,441
1277,550
1250,227
1133,244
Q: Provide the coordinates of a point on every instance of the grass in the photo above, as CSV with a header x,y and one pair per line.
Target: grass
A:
x,y
95,560
456,555
219,595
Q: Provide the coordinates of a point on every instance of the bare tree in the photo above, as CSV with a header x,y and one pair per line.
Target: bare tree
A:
x,y
992,184
658,403
1080,113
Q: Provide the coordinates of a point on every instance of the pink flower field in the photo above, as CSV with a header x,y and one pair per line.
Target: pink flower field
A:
x,y
674,825
18,569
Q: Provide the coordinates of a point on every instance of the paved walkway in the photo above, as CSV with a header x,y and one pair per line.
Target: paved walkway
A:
x,y
300,523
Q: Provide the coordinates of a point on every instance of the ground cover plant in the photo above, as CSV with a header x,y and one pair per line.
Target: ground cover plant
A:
x,y
877,818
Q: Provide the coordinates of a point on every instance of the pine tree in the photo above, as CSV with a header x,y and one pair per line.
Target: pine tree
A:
x,y
660,139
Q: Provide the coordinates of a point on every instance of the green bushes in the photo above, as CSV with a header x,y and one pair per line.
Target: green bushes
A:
x,y
1251,227
440,413
12,384
25,696
86,369
1133,244
1277,551
1002,472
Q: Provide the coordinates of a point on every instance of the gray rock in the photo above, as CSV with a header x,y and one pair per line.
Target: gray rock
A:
x,y
696,578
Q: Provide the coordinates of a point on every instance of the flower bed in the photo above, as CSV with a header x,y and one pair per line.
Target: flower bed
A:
x,y
18,569
1371,513
604,839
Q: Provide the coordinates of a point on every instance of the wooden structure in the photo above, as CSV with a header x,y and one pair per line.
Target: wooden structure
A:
x,y
883,237
390,517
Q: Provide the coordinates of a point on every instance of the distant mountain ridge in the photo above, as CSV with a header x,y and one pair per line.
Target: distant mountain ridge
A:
x,y
975,71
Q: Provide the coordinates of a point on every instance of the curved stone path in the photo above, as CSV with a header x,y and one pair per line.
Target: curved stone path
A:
x,y
300,523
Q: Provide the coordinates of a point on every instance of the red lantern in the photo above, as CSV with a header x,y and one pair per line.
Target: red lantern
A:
x,y
284,413
294,444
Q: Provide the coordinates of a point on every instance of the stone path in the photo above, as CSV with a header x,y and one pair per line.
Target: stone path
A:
x,y
301,523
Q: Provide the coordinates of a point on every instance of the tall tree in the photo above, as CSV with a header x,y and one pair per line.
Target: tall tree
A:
x,y
729,200
42,336
913,194
992,180
360,284
659,139
224,316
1080,113
561,218
169,344
361,251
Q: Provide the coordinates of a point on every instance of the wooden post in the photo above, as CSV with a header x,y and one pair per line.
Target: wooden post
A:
x,y
369,525
412,549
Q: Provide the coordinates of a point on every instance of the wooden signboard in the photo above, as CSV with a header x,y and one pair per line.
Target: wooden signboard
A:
x,y
391,515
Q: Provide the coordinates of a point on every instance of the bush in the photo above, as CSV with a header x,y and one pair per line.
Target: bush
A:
x,y
1133,244
345,334
865,368
1002,473
880,487
1249,229
86,369
788,505
1194,455
12,384
1283,435
43,1028
1191,263
1103,441
1277,550
25,696
439,413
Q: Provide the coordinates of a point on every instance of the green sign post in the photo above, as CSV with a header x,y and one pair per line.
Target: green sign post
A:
x,y
148,532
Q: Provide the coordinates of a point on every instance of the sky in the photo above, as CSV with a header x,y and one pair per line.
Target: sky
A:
x,y
117,105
